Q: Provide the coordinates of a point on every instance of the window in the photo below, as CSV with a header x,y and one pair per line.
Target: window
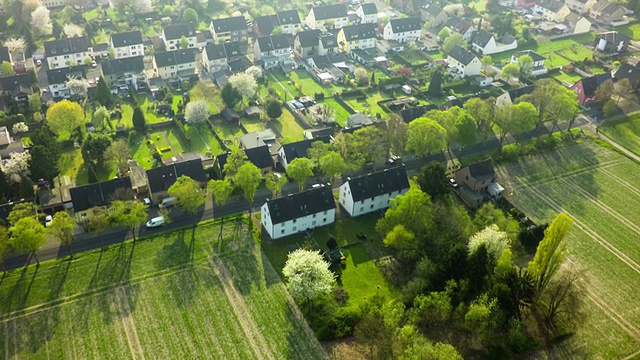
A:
x,y
371,206
282,231
325,212
313,223
314,216
361,209
294,228
294,220
324,220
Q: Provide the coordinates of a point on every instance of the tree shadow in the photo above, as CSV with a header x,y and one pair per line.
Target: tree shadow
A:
x,y
175,253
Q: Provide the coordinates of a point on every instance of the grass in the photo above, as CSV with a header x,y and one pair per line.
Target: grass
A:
x,y
595,186
360,278
141,152
341,113
288,127
566,77
632,31
550,49
176,295
253,124
412,57
70,163
370,106
625,133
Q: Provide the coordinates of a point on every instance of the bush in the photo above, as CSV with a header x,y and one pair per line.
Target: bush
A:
x,y
546,142
340,295
133,136
510,153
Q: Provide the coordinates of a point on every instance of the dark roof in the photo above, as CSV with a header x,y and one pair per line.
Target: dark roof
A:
x,y
405,24
288,17
482,38
177,31
552,5
360,31
127,65
215,51
161,178
260,156
233,48
534,56
299,149
126,38
325,12
627,71
328,40
236,23
308,38
369,8
434,10
321,132
590,85
614,38
4,54
525,90
5,209
67,46
102,47
266,24
229,114
98,194
301,204
462,55
273,42
482,169
221,160
378,183
61,75
609,8
169,58
410,114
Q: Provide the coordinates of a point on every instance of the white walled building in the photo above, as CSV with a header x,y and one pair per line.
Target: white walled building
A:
x,y
354,37
403,30
175,65
57,80
319,15
67,52
298,212
373,192
465,63
172,34
228,29
214,58
127,44
368,13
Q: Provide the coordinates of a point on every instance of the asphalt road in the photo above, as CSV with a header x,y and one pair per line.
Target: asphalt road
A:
x,y
235,205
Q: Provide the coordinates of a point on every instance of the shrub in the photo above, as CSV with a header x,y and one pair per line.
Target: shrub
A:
x,y
340,295
510,153
164,149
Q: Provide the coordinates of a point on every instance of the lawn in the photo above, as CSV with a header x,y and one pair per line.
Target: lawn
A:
x,y
361,278
253,124
370,106
341,113
625,133
632,31
308,85
567,77
229,132
141,152
596,187
412,57
288,127
176,295
549,49
70,163
170,136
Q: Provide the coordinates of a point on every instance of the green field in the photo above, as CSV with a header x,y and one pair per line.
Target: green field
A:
x,y
625,133
632,31
598,188
341,113
176,295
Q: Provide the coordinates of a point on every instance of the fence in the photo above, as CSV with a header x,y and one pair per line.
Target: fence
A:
x,y
339,100
159,125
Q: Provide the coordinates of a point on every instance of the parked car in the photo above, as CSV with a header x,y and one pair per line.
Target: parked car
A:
x,y
453,183
155,222
94,64
168,202
47,220
147,202
38,62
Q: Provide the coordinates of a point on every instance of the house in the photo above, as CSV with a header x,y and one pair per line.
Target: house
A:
x,y
353,37
288,152
9,145
374,191
461,26
175,65
17,87
580,6
85,197
464,62
127,44
434,14
125,71
368,13
360,120
314,134
335,14
101,50
629,72
272,50
389,45
264,25
51,4
327,44
57,79
289,21
538,62
477,182
586,88
203,38
608,13
172,34
261,148
551,10
324,68
67,52
161,178
486,44
229,29
305,43
611,42
214,58
578,24
403,30
298,212
509,97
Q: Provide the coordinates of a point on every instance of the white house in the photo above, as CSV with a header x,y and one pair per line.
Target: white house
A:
x,y
462,27
580,6
328,44
464,62
578,24
353,37
305,44
291,151
538,62
289,21
272,50
228,29
172,34
319,15
49,4
368,13
486,44
175,65
509,97
403,30
608,13
127,44
127,71
373,192
214,58
298,212
67,52
57,79
552,10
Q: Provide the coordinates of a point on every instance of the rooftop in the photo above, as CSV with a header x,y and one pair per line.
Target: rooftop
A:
x,y
382,182
301,204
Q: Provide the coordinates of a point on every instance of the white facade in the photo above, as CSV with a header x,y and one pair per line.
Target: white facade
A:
x,y
550,15
128,51
402,37
472,69
53,3
170,72
493,47
357,208
338,22
61,61
174,44
367,18
579,6
290,29
214,65
295,226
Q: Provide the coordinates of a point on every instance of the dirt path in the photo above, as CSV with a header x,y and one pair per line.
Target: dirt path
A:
x,y
129,325
626,151
249,327
632,356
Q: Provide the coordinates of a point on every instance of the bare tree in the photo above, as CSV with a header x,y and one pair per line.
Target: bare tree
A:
x,y
73,30
323,114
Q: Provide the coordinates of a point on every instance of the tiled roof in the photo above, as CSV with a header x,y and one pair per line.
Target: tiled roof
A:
x,y
378,183
301,204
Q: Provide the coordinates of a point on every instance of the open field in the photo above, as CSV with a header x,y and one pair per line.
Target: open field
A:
x,y
176,295
597,187
625,132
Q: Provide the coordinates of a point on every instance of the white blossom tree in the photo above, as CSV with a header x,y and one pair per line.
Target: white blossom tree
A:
x,y
20,127
78,86
16,45
72,30
41,21
323,114
245,84
17,166
492,238
197,111
142,6
254,71
307,275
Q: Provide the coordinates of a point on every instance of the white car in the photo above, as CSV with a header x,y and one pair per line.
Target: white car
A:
x,y
94,64
38,62
47,220
155,222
